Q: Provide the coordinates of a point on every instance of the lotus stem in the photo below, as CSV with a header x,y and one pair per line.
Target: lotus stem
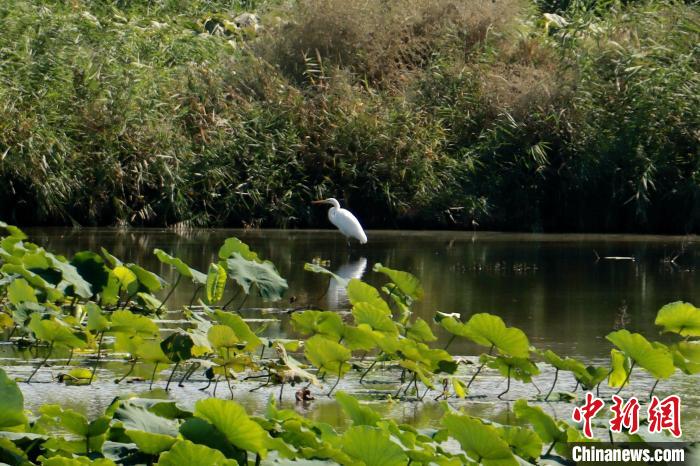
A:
x,y
167,385
556,376
626,378
193,367
242,303
131,369
367,371
153,376
478,370
70,356
194,296
507,386
281,389
449,342
340,371
228,303
97,361
172,289
36,369
651,393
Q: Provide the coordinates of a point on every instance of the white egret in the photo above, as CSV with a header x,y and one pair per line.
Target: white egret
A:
x,y
344,220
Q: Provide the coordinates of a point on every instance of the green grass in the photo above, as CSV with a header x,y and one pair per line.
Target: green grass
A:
x,y
135,113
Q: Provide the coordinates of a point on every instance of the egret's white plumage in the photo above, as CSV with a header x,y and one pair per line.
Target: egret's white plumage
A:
x,y
344,220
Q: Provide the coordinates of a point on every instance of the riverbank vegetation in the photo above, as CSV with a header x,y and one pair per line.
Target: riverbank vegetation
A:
x,y
549,115
76,312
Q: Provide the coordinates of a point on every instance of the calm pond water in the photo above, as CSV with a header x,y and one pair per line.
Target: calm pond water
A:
x,y
551,286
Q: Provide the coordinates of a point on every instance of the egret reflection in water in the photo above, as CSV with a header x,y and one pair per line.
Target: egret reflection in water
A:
x,y
336,295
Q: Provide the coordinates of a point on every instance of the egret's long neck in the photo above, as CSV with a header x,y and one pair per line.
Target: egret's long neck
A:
x,y
335,203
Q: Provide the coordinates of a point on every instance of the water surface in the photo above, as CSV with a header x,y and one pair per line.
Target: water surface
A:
x,y
563,290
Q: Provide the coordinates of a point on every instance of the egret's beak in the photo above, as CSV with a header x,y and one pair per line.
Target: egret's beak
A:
x,y
320,201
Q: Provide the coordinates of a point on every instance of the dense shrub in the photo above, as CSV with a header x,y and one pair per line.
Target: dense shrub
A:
x,y
415,113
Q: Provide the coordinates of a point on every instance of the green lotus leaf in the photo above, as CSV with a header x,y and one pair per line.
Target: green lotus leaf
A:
x,y
177,347
129,323
19,291
91,267
231,419
679,317
13,231
490,330
128,281
686,356
326,354
524,442
563,364
519,368
151,351
54,331
480,441
407,283
187,453
6,322
619,368
201,432
153,434
420,331
70,275
452,324
76,461
361,292
360,338
240,327
591,376
216,283
35,280
373,316
270,285
315,268
182,268
372,447
11,404
222,336
113,261
96,321
318,322
235,246
360,415
549,430
657,361
148,279
149,302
